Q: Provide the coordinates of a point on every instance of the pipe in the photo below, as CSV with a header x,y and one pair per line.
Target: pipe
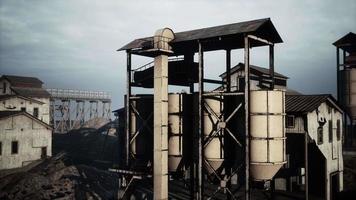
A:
x,y
127,106
247,118
200,184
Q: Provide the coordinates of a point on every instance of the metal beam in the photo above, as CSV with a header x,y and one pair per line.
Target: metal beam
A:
x,y
200,185
260,39
271,65
338,73
247,117
228,70
127,106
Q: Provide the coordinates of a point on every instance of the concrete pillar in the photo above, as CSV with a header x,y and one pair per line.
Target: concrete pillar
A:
x,y
160,128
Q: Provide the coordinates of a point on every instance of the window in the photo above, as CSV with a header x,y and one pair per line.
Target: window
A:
x,y
14,147
338,129
320,135
290,123
23,109
4,88
35,112
241,84
330,130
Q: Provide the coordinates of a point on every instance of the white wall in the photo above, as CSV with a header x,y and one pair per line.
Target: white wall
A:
x,y
332,151
15,103
31,136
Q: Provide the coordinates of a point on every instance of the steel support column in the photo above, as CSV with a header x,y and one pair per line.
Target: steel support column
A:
x,y
160,128
228,68
127,106
200,154
271,64
306,166
247,117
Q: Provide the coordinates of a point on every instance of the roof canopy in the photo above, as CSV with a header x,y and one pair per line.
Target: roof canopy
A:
x,y
347,43
230,36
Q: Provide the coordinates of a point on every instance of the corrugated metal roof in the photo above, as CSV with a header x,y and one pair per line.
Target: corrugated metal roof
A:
x,y
31,92
253,67
215,32
23,81
307,103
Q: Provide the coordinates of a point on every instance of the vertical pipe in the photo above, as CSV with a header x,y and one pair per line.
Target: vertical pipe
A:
x,y
200,126
127,106
271,64
226,104
160,128
247,118
338,74
228,70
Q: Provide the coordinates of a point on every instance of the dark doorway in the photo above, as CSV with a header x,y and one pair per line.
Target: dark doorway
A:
x,y
44,152
334,185
317,171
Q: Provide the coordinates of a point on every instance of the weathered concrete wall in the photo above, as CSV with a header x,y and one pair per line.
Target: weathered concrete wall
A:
x,y
298,126
332,151
31,137
15,103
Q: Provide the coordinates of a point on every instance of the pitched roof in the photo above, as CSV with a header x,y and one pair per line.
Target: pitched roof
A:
x,y
187,40
31,92
4,97
308,103
7,114
23,81
347,42
253,68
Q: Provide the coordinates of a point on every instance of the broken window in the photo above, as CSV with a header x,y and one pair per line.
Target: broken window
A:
x,y
330,130
23,109
338,129
14,147
320,135
290,123
35,112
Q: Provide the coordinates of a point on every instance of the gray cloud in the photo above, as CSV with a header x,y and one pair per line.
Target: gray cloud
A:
x,y
72,44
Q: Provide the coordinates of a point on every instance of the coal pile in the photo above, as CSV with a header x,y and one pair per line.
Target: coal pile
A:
x,y
54,179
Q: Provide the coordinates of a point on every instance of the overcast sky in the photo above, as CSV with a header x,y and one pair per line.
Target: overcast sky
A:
x,y
72,44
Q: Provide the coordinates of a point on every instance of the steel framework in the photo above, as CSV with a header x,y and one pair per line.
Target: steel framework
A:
x,y
69,108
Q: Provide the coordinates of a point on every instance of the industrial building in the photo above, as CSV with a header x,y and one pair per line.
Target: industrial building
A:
x,y
314,146
346,82
245,135
218,142
25,94
24,116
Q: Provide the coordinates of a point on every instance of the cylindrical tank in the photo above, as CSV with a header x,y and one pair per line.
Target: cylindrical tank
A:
x,y
267,133
175,130
349,90
213,150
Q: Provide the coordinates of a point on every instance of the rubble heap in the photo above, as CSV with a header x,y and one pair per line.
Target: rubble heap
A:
x,y
53,178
